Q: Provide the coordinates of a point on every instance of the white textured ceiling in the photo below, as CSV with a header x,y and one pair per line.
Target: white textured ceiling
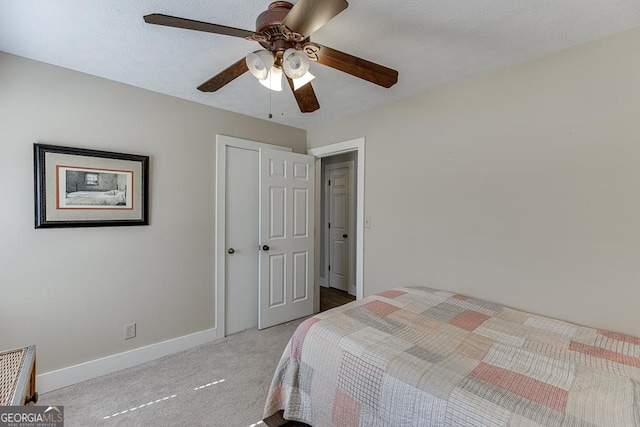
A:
x,y
430,42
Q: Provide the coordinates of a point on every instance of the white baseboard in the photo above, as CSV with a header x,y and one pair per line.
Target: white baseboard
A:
x,y
95,368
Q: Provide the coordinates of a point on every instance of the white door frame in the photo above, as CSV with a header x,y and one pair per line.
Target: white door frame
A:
x,y
330,150
220,238
350,164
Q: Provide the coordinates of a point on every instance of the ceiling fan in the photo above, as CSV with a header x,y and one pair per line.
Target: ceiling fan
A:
x,y
283,31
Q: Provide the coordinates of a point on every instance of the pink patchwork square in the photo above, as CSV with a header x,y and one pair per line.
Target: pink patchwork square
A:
x,y
620,337
605,354
346,410
522,385
299,335
391,293
380,308
469,320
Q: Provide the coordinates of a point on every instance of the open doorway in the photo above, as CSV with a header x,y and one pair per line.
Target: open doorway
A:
x,y
337,270
339,246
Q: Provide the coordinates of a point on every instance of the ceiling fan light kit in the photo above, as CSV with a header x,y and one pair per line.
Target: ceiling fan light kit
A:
x,y
273,80
260,63
283,31
301,81
295,63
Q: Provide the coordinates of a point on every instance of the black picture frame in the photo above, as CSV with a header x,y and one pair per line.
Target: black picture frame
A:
x,y
118,197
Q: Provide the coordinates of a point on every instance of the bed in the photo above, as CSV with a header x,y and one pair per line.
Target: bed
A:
x,y
417,356
96,198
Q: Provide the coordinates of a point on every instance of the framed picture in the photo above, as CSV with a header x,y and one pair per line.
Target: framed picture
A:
x,y
76,187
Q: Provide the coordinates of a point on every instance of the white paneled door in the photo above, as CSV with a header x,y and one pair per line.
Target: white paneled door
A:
x,y
241,235
339,225
286,237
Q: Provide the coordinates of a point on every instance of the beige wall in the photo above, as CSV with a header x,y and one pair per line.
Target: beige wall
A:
x,y
70,291
520,187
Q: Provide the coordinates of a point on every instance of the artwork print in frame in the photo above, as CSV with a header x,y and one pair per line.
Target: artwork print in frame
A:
x,y
77,187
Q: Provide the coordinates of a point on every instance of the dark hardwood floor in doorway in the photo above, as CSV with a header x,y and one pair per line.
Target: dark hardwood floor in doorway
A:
x,y
331,297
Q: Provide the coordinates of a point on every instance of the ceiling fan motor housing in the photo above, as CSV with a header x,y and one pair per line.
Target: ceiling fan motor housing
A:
x,y
269,22
273,16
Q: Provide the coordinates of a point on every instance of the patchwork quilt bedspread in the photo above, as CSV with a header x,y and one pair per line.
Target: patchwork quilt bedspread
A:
x,y
425,357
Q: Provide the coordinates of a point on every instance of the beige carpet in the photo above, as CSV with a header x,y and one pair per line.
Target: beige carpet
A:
x,y
223,383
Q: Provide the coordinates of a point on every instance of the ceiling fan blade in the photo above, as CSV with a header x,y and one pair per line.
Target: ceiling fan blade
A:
x,y
189,24
305,96
229,74
306,16
358,67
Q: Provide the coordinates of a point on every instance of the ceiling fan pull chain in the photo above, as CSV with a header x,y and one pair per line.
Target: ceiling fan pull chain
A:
x,y
270,106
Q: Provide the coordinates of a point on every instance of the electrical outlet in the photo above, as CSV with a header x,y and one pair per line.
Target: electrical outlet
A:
x,y
129,331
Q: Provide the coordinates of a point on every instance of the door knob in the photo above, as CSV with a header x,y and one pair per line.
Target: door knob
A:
x,y
265,248
344,236
231,251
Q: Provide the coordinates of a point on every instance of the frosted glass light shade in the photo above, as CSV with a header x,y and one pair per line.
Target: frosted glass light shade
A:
x,y
295,63
301,81
259,63
273,80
